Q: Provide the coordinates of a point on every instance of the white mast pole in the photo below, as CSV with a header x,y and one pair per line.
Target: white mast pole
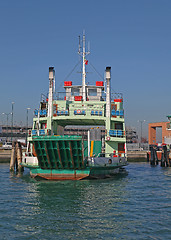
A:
x,y
83,54
84,71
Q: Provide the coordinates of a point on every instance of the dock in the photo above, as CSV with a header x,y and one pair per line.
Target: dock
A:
x,y
137,156
5,156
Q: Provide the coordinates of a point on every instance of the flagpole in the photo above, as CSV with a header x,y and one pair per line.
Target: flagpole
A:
x,y
84,72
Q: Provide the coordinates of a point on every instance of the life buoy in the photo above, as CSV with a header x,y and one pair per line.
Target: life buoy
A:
x,y
108,138
78,111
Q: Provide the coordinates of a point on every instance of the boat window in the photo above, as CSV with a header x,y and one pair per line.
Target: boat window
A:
x,y
92,92
75,92
119,126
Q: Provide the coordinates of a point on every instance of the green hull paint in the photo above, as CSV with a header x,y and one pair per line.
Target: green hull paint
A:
x,y
74,174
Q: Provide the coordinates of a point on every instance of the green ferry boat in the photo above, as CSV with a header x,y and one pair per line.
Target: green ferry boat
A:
x,y
55,152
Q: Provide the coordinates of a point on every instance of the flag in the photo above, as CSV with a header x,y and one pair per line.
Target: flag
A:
x,y
86,62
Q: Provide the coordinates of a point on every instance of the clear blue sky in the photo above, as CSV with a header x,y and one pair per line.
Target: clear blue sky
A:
x,y
133,37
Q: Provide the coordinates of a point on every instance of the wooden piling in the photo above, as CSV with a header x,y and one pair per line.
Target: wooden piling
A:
x,y
16,157
19,156
165,156
153,156
13,157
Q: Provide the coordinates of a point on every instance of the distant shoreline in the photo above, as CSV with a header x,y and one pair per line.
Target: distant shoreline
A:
x,y
133,156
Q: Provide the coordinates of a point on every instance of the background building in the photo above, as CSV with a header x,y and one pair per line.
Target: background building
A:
x,y
166,132
131,135
8,134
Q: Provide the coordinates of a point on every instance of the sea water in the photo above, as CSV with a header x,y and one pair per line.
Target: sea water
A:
x,y
135,204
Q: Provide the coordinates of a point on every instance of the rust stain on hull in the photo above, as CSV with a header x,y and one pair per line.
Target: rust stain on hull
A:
x,y
60,177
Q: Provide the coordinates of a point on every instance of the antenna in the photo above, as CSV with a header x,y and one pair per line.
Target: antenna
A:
x,y
89,47
83,53
79,48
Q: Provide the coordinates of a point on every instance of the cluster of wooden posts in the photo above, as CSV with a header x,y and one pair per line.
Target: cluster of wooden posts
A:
x,y
153,156
16,157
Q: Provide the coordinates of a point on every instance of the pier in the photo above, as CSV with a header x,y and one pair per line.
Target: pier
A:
x,y
163,157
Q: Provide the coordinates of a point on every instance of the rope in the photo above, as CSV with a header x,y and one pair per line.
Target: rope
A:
x,y
69,74
96,71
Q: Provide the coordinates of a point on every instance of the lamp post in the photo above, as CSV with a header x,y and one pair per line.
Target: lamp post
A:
x,y
27,125
12,119
141,122
7,114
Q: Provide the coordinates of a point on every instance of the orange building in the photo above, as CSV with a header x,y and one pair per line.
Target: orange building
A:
x,y
166,131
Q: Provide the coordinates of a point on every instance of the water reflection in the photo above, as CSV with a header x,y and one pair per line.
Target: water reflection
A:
x,y
73,206
118,208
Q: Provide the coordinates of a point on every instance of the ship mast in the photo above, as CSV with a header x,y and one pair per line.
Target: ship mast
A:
x,y
84,62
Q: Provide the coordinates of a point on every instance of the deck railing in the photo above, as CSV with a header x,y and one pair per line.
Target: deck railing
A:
x,y
91,112
40,132
62,96
116,133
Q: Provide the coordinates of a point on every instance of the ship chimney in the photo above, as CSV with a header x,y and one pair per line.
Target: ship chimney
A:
x,y
51,83
51,73
108,93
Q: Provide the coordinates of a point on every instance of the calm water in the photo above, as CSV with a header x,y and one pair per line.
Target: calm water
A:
x,y
133,205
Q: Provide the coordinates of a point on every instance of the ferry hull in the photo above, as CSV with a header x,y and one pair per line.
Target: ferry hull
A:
x,y
59,177
69,174
59,174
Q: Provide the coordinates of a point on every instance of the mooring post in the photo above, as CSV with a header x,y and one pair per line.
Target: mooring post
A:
x,y
13,156
169,158
148,157
164,160
152,162
19,157
155,156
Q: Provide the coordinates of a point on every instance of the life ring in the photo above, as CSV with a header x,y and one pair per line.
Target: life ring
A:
x,y
78,111
108,138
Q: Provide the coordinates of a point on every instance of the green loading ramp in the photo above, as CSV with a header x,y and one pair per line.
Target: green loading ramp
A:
x,y
59,152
